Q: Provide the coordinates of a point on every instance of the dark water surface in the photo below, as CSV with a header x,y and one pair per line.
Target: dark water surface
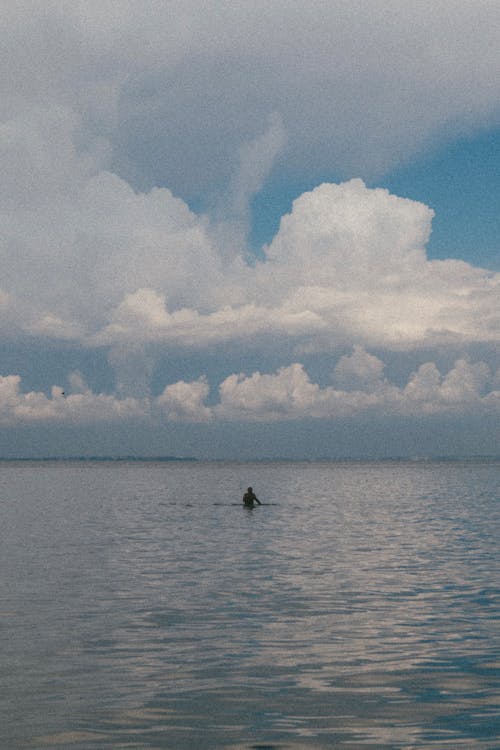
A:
x,y
142,607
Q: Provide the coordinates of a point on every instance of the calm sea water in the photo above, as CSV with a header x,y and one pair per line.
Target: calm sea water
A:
x,y
143,607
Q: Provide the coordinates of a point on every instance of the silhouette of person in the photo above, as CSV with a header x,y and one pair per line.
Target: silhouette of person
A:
x,y
249,498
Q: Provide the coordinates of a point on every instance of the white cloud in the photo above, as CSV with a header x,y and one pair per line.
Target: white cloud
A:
x,y
17,407
100,104
84,257
289,394
356,257
465,382
424,385
283,395
348,266
144,316
463,388
359,369
184,402
76,239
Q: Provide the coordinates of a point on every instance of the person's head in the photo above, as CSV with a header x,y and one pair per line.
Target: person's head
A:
x,y
249,489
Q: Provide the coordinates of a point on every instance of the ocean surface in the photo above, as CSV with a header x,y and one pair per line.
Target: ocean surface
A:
x,y
142,606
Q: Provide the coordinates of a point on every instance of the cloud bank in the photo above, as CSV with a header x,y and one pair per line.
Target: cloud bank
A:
x,y
133,138
97,263
288,394
92,251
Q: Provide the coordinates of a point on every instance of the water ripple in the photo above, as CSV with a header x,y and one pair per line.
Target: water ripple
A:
x,y
359,609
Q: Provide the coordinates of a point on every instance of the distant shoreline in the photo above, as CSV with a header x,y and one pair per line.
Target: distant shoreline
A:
x,y
276,459
127,459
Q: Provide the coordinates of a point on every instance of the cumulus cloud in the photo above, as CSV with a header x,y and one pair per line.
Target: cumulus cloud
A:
x,y
17,407
144,316
356,257
76,240
184,402
111,111
348,265
288,394
359,370
87,258
462,388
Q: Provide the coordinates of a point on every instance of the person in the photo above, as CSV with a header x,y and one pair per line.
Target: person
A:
x,y
249,498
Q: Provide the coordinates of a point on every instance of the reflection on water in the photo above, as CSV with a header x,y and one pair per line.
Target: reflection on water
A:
x,y
143,607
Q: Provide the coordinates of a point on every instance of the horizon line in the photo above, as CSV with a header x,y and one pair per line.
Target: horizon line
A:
x,y
256,459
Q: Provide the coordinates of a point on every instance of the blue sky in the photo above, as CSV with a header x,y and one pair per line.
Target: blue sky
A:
x,y
460,180
234,230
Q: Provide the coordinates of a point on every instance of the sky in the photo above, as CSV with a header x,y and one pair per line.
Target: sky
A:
x,y
250,230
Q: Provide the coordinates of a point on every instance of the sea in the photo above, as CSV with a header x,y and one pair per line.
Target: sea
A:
x,y
143,606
